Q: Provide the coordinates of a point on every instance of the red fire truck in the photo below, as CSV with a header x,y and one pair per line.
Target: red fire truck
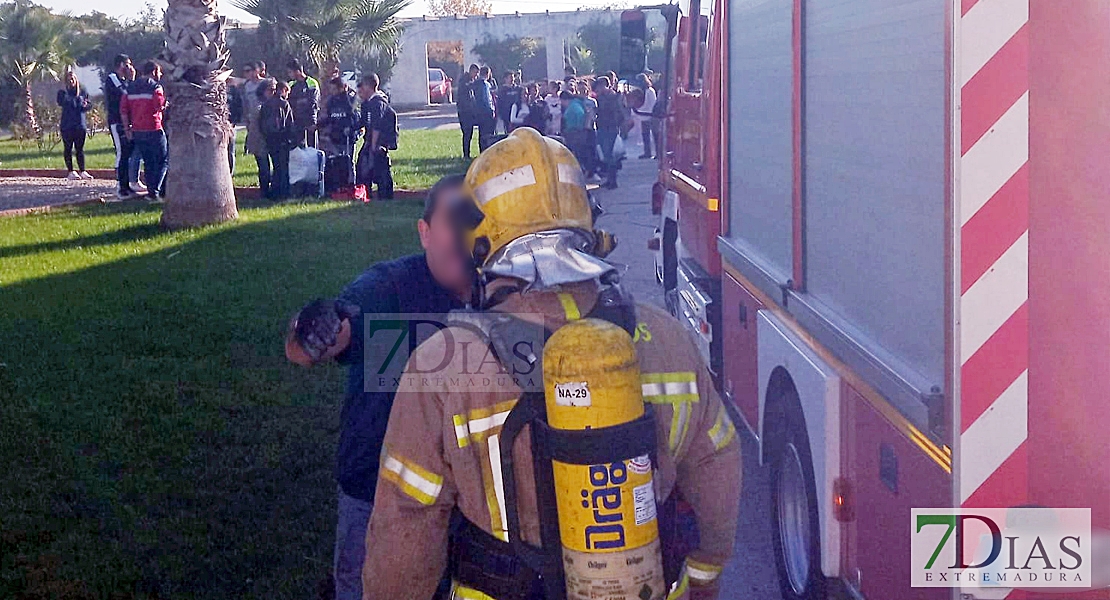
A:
x,y
888,224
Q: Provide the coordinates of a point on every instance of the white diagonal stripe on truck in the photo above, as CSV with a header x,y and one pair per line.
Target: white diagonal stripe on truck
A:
x,y
994,436
994,298
985,29
994,159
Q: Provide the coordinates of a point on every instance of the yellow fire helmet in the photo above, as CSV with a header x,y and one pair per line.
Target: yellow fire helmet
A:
x,y
536,221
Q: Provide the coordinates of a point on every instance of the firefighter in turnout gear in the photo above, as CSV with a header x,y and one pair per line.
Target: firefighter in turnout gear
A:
x,y
467,490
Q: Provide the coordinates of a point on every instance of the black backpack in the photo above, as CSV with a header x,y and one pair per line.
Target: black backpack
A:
x,y
464,99
389,130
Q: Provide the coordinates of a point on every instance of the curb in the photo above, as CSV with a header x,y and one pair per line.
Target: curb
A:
x,y
36,210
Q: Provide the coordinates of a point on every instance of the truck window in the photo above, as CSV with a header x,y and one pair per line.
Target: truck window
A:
x,y
699,44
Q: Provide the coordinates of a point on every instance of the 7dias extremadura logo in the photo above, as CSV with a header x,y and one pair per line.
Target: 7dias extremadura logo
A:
x,y
1003,548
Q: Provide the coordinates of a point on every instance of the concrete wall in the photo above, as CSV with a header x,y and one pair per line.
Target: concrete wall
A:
x,y
409,85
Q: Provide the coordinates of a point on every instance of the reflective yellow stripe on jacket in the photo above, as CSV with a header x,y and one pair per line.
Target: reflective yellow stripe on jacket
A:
x,y
461,592
702,573
680,390
417,483
722,431
480,423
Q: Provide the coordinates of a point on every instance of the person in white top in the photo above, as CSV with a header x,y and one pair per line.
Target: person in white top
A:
x,y
518,116
554,108
649,125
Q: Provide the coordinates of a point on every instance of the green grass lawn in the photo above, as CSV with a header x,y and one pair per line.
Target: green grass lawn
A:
x,y
423,157
156,443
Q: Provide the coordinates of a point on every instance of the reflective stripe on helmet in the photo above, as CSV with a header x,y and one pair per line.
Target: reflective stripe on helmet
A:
x,y
504,183
570,174
416,482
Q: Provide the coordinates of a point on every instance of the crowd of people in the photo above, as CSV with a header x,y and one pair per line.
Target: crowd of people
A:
x,y
279,116
589,114
282,116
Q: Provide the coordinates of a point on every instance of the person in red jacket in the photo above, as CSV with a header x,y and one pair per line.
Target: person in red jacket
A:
x,y
141,116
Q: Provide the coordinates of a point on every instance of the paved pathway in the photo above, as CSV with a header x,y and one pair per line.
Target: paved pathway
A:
x,y
751,573
32,192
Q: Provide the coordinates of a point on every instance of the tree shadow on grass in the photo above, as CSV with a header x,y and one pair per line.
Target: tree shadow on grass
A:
x,y
153,434
129,234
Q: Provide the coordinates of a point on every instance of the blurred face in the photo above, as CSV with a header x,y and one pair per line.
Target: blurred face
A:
x,y
71,79
364,91
157,74
249,72
441,243
284,93
126,70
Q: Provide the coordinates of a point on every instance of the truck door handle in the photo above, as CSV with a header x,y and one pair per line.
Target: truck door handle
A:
x,y
698,166
744,315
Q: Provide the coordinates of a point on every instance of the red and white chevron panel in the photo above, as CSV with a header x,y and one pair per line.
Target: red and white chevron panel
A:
x,y
993,65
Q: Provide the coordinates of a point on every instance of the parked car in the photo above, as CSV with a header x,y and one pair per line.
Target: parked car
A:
x,y
439,87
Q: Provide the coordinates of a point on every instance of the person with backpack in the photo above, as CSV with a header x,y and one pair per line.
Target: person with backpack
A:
x,y
275,119
464,103
340,125
379,120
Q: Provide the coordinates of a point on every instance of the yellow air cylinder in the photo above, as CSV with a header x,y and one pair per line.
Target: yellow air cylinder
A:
x,y
607,514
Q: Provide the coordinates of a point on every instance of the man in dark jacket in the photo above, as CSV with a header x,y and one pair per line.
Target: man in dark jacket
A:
x,y
304,97
275,119
429,284
115,86
374,166
340,125
464,102
508,95
610,119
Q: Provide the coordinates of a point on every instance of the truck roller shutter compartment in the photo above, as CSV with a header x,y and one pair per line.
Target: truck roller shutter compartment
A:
x,y
760,100
874,157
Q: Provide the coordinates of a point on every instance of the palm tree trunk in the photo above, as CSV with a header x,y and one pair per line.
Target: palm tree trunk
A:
x,y
29,115
199,189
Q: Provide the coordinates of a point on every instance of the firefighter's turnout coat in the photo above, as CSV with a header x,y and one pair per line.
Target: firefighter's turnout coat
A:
x,y
441,448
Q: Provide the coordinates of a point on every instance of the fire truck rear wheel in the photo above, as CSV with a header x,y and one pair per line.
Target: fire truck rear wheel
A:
x,y
794,514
